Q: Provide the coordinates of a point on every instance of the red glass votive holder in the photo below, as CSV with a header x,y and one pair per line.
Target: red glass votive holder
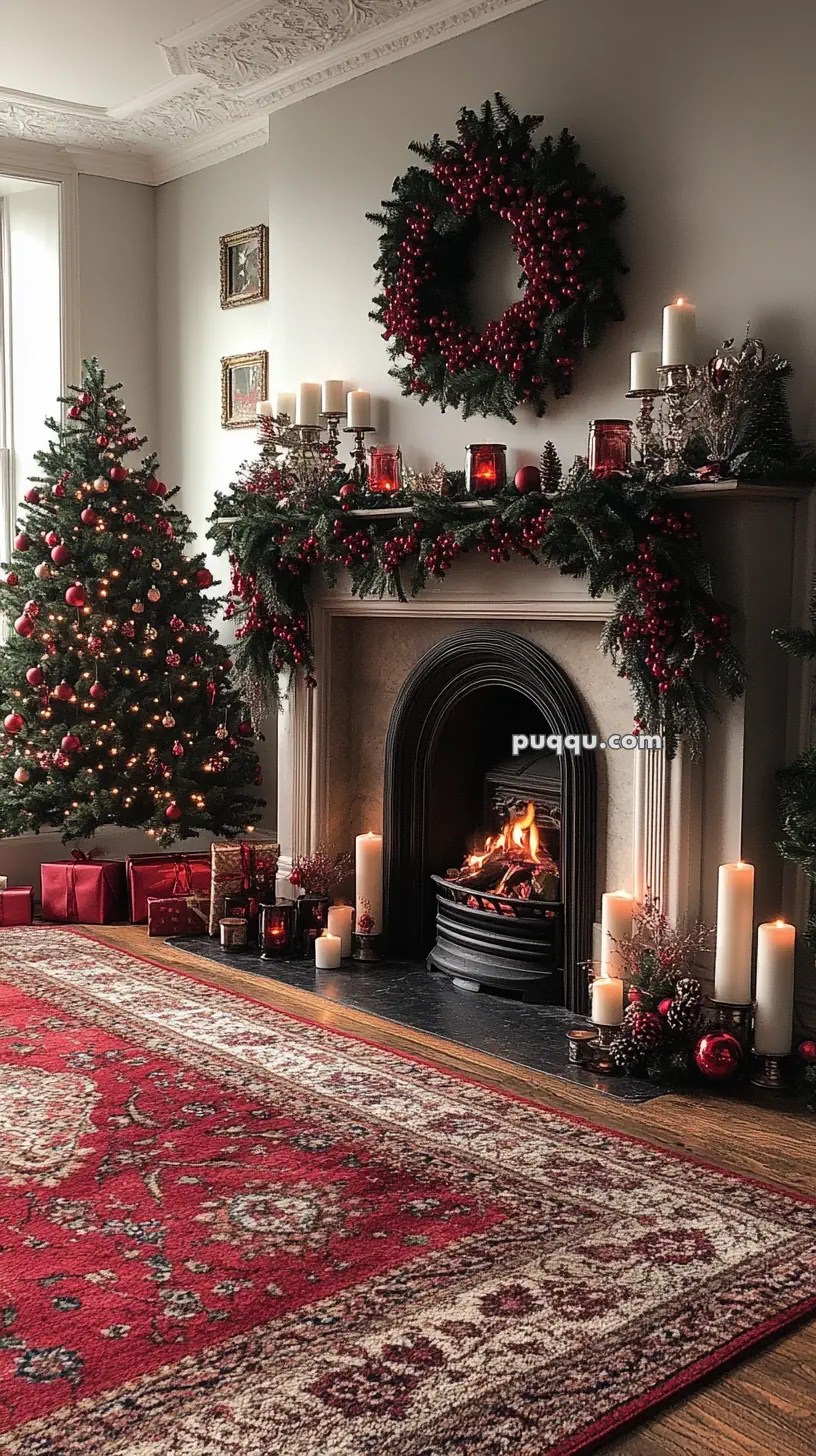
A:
x,y
385,470
485,469
276,934
246,907
610,447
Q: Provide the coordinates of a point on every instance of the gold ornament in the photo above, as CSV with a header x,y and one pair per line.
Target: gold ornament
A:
x,y
21,776
101,485
137,607
150,633
221,731
154,595
428,482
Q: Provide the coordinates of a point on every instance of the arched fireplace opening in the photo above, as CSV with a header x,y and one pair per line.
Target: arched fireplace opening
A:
x,y
449,766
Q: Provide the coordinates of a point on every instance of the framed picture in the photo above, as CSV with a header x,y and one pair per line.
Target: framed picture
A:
x,y
245,267
243,384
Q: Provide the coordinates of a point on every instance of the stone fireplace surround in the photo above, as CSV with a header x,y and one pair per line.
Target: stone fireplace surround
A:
x,y
663,826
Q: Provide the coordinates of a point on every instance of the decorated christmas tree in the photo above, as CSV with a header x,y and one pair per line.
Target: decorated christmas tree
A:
x,y
114,692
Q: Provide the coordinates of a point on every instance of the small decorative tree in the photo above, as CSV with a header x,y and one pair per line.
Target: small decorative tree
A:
x,y
115,693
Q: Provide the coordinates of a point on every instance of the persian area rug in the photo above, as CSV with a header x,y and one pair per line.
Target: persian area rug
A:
x,y
225,1230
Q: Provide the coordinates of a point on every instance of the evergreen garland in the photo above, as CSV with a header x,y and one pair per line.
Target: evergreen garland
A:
x,y
560,222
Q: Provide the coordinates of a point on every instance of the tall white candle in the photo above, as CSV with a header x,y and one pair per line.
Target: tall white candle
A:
x,y
607,1001
334,399
368,887
358,409
340,921
617,907
264,408
735,933
643,369
308,404
773,1026
327,951
679,332
285,403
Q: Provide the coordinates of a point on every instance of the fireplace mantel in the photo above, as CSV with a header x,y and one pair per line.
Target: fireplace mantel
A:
x,y
687,816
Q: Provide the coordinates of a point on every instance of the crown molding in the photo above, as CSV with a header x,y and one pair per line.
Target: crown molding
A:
x,y
175,162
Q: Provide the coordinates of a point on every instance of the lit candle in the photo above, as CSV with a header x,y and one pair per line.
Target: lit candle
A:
x,y
340,921
284,403
358,409
617,907
334,401
607,1001
643,369
327,952
308,404
773,1026
735,933
368,888
265,408
679,332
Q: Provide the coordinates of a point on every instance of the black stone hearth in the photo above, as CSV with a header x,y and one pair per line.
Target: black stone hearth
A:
x,y
451,726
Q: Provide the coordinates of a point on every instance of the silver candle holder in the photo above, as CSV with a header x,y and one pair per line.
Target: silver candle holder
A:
x,y
599,1046
676,382
646,425
736,1017
769,1074
333,419
359,472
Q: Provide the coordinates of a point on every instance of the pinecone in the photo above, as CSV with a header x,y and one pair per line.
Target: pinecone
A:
x,y
684,1012
624,1054
645,1029
550,467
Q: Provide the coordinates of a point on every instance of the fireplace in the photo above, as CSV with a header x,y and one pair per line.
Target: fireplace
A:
x,y
524,922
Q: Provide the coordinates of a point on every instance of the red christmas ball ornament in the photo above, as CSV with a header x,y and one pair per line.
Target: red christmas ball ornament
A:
x,y
152,486
227,664
807,1052
97,692
21,541
70,743
12,579
718,1055
64,691
52,539
347,490
162,490
59,491
665,1006
633,996
24,626
35,676
118,472
89,516
21,775
32,496
527,478
128,518
203,577
61,554
74,412
172,812
76,596
245,730
102,441
86,398
13,723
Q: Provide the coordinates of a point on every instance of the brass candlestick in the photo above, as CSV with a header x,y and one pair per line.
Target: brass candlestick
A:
x,y
646,425
359,473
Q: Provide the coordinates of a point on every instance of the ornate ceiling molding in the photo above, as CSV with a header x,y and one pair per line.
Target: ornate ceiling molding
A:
x,y
229,71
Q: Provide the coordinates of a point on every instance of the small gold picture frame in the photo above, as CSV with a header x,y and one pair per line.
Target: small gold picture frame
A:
x,y
245,267
243,384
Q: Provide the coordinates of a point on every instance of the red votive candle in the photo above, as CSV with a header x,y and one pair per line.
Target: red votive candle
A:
x,y
485,469
276,934
610,447
385,470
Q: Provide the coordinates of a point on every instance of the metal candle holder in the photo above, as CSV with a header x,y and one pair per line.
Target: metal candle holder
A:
x,y
366,947
676,382
769,1073
646,425
580,1040
599,1046
359,473
736,1017
333,419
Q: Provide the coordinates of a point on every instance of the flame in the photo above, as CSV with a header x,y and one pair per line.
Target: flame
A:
x,y
519,837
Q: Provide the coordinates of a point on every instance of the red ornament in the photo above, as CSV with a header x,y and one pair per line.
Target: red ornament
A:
x,y
633,996
64,691
35,676
52,539
59,491
807,1052
172,812
61,555
97,692
32,609
102,441
86,398
152,486
32,496
245,730
527,478
178,749
12,579
203,577
89,516
136,552
75,595
13,723
118,472
348,489
128,518
70,743
21,541
162,490
24,626
718,1055
74,412
665,1006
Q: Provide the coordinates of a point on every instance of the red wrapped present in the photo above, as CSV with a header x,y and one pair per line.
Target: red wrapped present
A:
x,y
178,914
17,905
82,889
163,876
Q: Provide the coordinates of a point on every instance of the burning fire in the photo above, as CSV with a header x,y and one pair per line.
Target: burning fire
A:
x,y
514,863
518,839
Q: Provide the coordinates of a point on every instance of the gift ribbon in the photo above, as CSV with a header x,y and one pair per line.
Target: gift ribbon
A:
x,y
247,852
80,856
182,878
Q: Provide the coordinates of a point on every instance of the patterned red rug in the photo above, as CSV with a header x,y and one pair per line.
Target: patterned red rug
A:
x,y
226,1230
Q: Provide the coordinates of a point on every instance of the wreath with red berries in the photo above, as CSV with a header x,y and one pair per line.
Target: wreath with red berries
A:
x,y
560,221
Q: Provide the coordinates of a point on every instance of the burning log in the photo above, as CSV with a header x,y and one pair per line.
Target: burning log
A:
x,y
514,863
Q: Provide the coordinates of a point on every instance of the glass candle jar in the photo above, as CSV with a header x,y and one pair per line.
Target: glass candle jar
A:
x,y
233,930
485,469
276,933
385,470
246,907
312,920
610,447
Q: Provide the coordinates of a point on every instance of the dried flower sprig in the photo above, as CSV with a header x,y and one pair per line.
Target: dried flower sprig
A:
x,y
321,872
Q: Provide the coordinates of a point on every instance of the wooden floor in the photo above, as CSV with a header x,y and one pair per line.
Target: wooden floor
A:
x,y
766,1405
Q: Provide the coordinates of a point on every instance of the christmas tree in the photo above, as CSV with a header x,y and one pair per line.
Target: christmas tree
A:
x,y
114,692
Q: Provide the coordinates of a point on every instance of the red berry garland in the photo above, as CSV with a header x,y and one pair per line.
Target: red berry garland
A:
x,y
559,222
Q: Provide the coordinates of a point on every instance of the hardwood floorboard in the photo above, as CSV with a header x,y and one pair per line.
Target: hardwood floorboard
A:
x,y
763,1406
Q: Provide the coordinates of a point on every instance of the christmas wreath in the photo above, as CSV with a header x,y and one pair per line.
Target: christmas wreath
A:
x,y
559,219
668,635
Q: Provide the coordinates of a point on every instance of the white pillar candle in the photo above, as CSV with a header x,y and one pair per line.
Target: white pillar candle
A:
x,y
358,409
3,882
643,369
617,907
607,1001
308,404
265,408
735,933
340,921
679,333
284,403
327,951
368,888
773,1026
334,400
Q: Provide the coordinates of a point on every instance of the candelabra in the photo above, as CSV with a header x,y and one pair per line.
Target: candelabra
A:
x,y
359,473
646,425
333,419
676,382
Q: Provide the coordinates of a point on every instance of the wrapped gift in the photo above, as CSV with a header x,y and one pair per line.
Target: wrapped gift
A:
x,y
82,889
17,905
178,914
163,876
238,867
